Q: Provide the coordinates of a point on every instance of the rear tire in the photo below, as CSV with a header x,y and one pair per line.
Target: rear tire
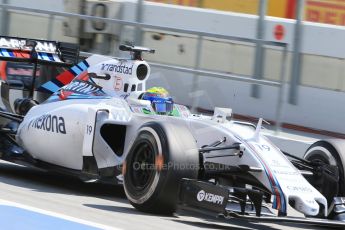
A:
x,y
159,158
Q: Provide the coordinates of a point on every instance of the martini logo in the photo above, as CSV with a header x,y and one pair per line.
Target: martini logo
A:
x,y
41,46
82,87
11,43
209,197
45,47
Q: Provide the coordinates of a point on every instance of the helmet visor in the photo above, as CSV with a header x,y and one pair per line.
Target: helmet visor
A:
x,y
163,105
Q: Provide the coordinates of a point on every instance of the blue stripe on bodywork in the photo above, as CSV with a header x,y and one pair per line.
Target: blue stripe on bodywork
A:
x,y
57,83
80,96
280,191
281,194
51,86
5,53
45,57
76,70
82,66
10,52
86,63
50,56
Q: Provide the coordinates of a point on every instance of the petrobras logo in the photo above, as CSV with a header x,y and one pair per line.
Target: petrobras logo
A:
x,y
209,197
12,43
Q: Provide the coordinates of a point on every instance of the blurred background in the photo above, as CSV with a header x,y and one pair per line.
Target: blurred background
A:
x,y
282,60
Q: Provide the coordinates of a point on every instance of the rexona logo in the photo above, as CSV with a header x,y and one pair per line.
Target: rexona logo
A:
x,y
209,197
50,123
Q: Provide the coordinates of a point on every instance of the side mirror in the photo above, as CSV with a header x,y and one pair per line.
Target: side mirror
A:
x,y
222,114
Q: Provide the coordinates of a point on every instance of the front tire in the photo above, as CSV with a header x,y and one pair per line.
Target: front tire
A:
x,y
159,158
325,152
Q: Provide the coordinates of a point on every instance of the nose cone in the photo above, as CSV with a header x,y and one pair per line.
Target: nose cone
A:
x,y
305,205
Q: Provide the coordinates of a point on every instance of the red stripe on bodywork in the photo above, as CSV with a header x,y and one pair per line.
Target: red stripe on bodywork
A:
x,y
84,76
65,78
3,73
64,94
21,54
270,178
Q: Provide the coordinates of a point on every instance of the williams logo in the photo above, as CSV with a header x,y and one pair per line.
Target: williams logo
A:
x,y
50,123
209,197
41,46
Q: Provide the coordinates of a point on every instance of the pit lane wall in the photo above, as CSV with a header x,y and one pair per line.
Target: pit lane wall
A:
x,y
321,96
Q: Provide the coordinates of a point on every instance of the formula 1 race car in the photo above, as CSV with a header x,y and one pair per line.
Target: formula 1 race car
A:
x,y
101,124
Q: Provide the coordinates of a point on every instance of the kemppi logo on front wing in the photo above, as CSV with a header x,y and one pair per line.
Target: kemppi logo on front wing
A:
x,y
209,197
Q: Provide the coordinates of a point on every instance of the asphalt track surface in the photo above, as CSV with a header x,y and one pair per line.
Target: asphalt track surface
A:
x,y
101,204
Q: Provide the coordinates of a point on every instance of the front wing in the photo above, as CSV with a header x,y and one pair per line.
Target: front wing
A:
x,y
233,203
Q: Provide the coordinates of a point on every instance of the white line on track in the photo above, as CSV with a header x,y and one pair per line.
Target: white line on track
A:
x,y
58,215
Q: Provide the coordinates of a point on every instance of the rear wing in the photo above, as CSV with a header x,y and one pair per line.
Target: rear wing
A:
x,y
38,51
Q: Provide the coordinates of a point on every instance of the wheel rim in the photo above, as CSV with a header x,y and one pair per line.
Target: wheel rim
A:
x,y
326,153
322,154
143,171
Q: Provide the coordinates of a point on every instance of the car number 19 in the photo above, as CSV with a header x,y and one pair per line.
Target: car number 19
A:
x,y
88,129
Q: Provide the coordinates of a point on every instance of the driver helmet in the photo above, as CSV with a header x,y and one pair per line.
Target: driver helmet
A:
x,y
160,99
